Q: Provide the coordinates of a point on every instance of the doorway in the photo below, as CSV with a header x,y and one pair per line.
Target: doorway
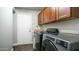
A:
x,y
24,26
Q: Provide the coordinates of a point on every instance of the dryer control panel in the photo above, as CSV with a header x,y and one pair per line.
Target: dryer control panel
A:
x,y
62,43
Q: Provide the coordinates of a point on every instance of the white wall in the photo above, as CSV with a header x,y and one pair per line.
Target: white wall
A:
x,y
6,32
14,27
70,26
34,18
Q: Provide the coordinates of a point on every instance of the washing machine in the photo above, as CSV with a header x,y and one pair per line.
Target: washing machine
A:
x,y
60,42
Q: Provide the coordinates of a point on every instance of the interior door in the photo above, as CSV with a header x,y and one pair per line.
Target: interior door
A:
x,y
24,26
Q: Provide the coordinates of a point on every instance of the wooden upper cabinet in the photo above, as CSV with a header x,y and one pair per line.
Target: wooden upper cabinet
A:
x,y
63,12
75,12
40,18
46,15
68,13
52,16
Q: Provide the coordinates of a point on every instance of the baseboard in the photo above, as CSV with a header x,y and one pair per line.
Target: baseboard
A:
x,y
5,49
16,44
12,49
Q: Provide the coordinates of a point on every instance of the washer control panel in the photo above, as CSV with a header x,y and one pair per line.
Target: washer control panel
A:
x,y
62,43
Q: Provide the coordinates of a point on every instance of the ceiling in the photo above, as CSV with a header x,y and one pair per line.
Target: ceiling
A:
x,y
30,8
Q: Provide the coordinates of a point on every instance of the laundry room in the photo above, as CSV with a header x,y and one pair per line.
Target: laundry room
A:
x,y
39,29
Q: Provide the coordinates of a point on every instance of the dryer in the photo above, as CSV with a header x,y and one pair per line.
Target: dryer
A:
x,y
60,42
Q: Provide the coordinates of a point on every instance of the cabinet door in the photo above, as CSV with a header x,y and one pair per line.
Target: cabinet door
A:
x,y
63,12
40,18
52,14
46,15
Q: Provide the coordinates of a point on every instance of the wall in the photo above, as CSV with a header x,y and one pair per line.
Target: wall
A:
x,y
6,32
14,26
34,16
70,26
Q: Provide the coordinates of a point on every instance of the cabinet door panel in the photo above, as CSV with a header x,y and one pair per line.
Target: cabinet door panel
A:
x,y
40,18
63,12
52,14
46,15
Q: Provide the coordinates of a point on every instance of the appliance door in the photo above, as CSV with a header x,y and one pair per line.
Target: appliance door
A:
x,y
48,45
38,41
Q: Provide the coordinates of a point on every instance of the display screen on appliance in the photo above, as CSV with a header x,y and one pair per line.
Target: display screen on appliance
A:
x,y
62,43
